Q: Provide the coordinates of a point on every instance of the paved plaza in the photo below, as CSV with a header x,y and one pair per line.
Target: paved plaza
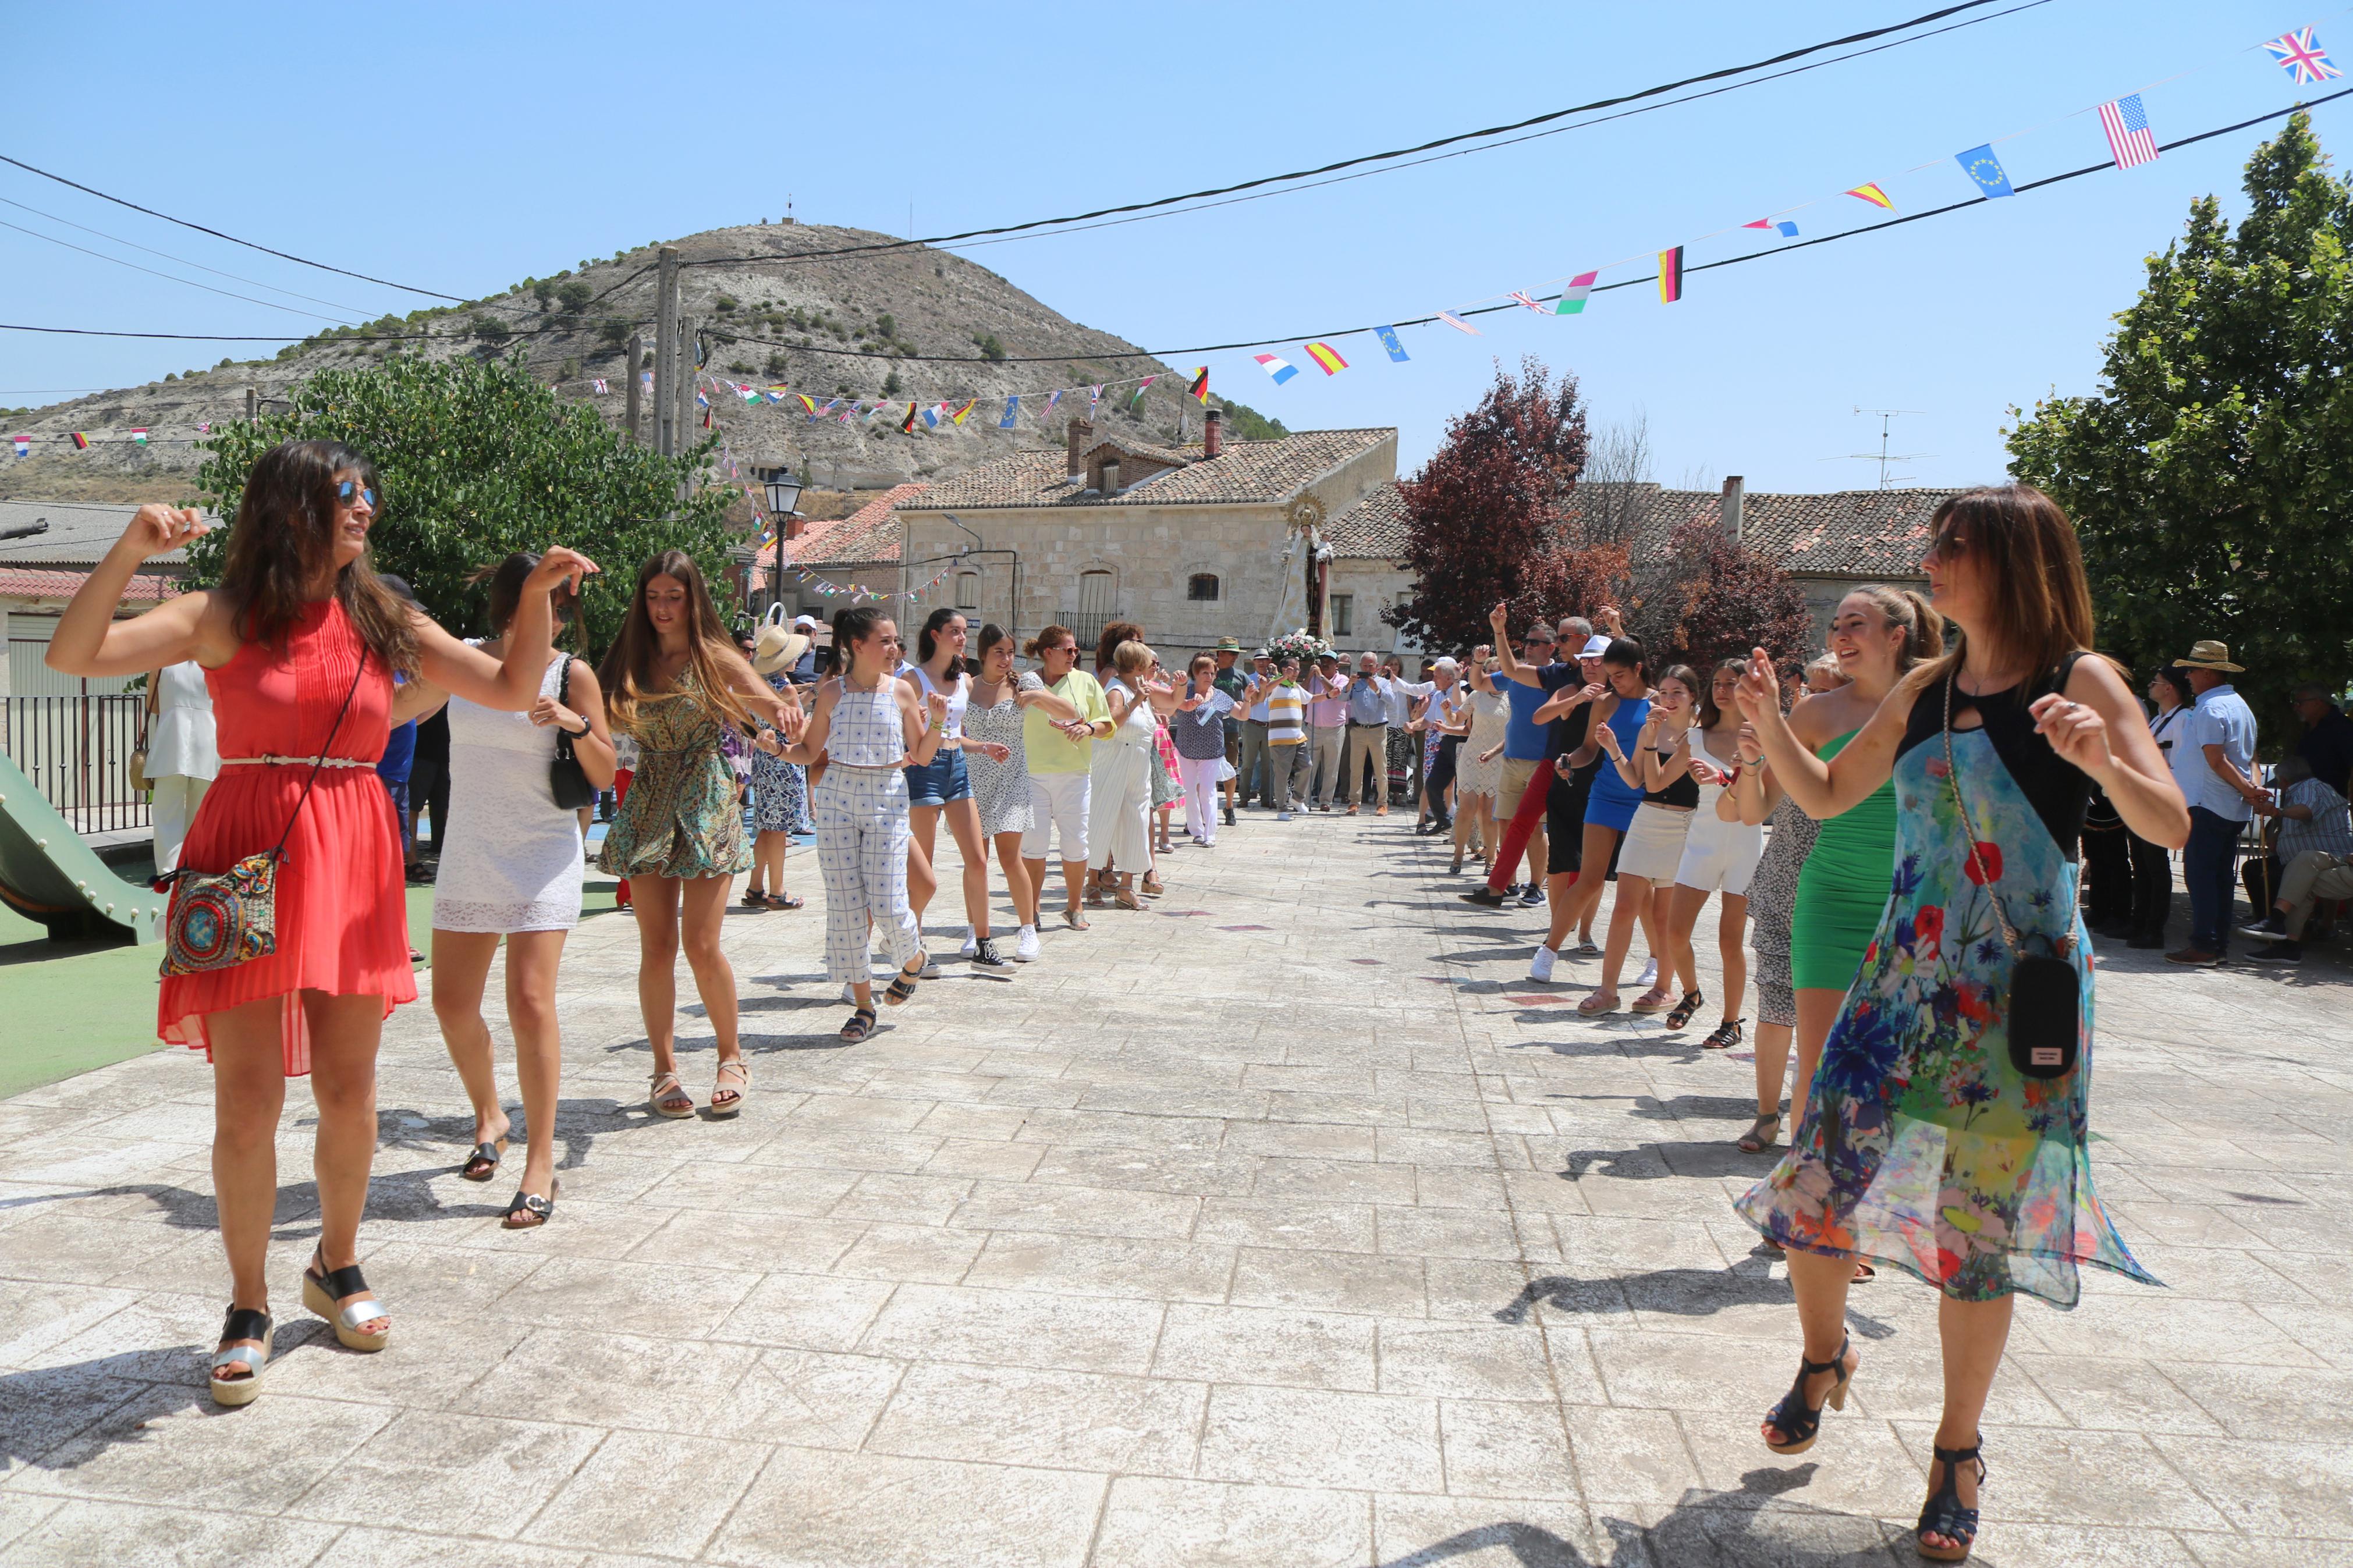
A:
x,y
1285,1223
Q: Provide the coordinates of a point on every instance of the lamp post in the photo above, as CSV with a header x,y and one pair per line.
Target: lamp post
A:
x,y
784,493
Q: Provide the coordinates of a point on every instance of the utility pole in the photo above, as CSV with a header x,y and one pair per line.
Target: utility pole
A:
x,y
637,352
253,406
665,353
684,418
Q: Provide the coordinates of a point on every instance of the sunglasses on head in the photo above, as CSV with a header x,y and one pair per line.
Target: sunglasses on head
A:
x,y
346,489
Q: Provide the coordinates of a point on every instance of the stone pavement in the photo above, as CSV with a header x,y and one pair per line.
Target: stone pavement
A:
x,y
1282,1224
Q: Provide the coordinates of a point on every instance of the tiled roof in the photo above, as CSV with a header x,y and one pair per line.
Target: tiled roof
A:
x,y
1373,528
1241,473
1841,534
1168,455
23,582
869,534
79,532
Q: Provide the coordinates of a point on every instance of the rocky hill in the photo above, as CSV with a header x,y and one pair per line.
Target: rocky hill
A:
x,y
773,309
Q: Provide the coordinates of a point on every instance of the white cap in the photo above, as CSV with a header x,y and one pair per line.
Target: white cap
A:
x,y
1595,646
809,621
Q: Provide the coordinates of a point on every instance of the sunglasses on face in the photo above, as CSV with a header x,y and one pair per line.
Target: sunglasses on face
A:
x,y
347,489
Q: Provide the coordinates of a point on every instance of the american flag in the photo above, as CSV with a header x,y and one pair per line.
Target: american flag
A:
x,y
2129,137
2301,55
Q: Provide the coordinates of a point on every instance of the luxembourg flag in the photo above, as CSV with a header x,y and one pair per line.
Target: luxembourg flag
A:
x,y
1275,365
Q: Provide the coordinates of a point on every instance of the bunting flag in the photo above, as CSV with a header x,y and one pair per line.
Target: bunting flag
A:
x,y
1137,395
137,438
1282,369
931,418
1874,194
1671,275
1573,298
1053,398
599,383
23,445
2300,55
1981,166
1522,298
1458,323
646,380
907,426
1012,412
1200,391
958,416
807,402
1788,230
706,415
1389,341
705,402
1095,396
204,428
1327,358
2130,141
80,441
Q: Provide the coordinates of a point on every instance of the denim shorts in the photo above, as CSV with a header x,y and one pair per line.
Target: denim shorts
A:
x,y
943,779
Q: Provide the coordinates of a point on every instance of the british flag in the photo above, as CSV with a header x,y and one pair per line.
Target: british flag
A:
x,y
2301,55
2129,137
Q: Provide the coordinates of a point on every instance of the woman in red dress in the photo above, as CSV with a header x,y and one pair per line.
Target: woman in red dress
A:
x,y
299,646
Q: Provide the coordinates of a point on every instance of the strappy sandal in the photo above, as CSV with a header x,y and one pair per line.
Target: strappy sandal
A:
x,y
860,1025
483,1162
1943,1513
245,1387
1692,1002
1126,901
323,1288
1727,1035
1075,920
674,1102
1652,1001
1800,1423
1762,1134
735,1101
783,901
529,1211
755,899
1152,887
903,984
1594,1006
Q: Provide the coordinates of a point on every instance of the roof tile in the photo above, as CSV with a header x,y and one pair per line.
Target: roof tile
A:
x,y
1241,473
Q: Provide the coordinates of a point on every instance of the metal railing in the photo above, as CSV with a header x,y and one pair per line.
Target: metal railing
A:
x,y
77,752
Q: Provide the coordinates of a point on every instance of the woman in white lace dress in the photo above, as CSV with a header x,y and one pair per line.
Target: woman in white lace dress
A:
x,y
511,868
1478,767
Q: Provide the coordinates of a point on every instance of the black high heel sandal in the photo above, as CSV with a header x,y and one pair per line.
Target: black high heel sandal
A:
x,y
1800,1423
1943,1512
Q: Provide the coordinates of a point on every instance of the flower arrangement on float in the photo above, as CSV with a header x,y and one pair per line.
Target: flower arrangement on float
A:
x,y
1298,644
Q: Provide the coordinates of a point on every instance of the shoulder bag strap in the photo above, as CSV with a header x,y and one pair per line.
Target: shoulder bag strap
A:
x,y
320,760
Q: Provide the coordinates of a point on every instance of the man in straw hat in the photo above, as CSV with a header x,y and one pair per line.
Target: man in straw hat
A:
x,y
2222,796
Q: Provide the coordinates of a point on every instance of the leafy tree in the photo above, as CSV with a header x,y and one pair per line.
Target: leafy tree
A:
x,y
575,297
475,461
990,349
1244,423
1486,519
2208,477
1726,599
891,386
489,327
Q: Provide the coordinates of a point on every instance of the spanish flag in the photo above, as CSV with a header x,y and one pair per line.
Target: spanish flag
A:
x,y
1874,194
80,441
806,401
958,416
1327,358
1200,391
1671,275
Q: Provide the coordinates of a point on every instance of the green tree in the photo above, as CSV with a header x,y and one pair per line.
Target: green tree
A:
x,y
2210,476
475,461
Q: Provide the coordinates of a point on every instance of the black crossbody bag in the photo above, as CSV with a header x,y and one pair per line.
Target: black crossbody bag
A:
x,y
2046,994
565,778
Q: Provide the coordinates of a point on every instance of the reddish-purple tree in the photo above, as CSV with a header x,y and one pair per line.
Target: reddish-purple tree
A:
x,y
1484,517
1732,600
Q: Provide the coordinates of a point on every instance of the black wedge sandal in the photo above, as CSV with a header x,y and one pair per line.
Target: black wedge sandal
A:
x,y
1943,1513
1800,1423
1683,1011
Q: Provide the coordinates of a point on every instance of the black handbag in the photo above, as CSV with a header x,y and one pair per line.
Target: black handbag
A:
x,y
2046,994
565,778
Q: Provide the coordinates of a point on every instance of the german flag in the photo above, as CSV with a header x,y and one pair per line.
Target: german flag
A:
x,y
1200,391
80,441
1671,275
907,426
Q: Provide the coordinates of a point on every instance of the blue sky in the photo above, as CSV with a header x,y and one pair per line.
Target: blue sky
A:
x,y
463,148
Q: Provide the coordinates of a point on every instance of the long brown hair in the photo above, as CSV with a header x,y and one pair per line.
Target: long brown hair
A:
x,y
284,537
2038,600
627,674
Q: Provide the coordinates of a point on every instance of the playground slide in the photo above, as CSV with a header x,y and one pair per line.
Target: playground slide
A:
x,y
49,874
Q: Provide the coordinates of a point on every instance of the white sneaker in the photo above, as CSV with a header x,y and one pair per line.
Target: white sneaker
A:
x,y
1284,816
931,969
971,945
1650,972
1025,946
849,992
1541,967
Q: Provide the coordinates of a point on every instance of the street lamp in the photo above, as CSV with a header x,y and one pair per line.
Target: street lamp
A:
x,y
783,492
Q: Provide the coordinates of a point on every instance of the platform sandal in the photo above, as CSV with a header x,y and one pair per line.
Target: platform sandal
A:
x,y
245,1387
903,984
667,1097
735,1101
1726,1036
1800,1423
860,1025
483,1162
529,1211
1681,1014
1943,1513
323,1287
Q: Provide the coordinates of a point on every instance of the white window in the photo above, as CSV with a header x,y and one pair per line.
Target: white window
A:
x,y
1344,614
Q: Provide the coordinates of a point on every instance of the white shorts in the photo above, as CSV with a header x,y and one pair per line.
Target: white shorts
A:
x,y
1720,855
1057,803
1654,844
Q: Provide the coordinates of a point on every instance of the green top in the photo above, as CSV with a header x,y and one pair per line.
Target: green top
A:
x,y
1047,749
1857,846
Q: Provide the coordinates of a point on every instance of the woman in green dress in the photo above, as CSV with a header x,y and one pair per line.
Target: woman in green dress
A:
x,y
1947,1130
674,682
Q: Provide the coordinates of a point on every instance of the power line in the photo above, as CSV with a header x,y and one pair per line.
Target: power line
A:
x,y
189,282
232,277
250,245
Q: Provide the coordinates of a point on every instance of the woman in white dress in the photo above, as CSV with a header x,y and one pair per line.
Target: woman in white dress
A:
x,y
511,868
183,757
1479,765
1119,792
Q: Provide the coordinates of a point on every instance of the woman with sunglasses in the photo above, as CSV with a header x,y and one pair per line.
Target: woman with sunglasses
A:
x,y
299,643
1947,1129
674,681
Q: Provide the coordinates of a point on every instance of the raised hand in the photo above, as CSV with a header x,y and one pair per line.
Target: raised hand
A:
x,y
1496,616
1706,772
559,565
2075,732
1607,737
1751,749
156,529
937,706
1760,688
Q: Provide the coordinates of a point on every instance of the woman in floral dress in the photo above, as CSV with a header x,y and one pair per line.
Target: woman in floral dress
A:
x,y
1923,1143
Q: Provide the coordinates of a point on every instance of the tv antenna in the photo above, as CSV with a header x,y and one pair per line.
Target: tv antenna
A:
x,y
1883,457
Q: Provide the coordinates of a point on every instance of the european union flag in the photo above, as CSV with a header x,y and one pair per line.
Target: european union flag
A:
x,y
1389,341
1012,412
1979,164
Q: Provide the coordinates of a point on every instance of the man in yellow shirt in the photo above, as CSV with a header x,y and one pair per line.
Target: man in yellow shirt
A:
x,y
1061,756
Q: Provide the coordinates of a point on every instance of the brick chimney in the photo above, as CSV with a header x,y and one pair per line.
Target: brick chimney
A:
x,y
1081,436
1213,434
1735,492
795,527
